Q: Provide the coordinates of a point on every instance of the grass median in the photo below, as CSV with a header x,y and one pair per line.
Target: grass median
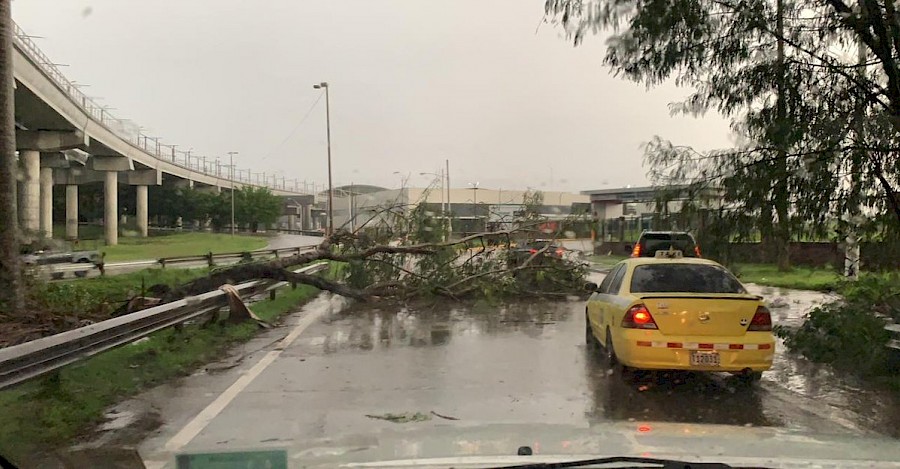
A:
x,y
55,411
798,278
96,298
182,244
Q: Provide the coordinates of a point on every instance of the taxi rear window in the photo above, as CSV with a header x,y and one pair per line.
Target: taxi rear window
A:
x,y
683,278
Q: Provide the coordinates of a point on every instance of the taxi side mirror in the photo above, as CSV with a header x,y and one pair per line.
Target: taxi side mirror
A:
x,y
590,287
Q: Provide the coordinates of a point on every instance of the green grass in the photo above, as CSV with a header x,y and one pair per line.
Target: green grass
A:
x,y
49,413
85,232
97,297
799,278
182,244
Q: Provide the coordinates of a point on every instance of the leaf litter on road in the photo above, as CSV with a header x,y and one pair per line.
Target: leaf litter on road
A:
x,y
407,417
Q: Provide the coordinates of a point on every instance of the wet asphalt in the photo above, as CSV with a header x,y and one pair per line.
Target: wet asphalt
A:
x,y
485,364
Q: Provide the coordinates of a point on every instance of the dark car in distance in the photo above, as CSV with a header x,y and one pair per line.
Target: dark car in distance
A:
x,y
652,241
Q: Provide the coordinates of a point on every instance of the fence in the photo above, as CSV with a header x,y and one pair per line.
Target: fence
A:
x,y
43,356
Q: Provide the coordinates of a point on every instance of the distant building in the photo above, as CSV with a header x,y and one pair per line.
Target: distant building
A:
x,y
638,202
470,210
632,209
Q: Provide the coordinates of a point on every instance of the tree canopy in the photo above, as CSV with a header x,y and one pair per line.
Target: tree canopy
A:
x,y
811,87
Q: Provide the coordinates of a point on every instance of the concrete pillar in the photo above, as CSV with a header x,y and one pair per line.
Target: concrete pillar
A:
x,y
111,207
141,210
29,198
306,217
292,222
72,211
47,202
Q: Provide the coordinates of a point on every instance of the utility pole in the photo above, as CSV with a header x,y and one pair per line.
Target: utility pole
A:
x,y
350,208
231,163
324,85
12,297
474,204
449,207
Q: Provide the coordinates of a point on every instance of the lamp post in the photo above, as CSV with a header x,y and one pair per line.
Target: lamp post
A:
x,y
474,186
441,176
231,163
403,179
324,85
444,214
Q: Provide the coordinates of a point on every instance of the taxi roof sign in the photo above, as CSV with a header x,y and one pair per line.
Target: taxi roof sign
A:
x,y
669,254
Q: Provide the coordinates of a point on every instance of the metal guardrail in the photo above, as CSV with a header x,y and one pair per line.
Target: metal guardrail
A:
x,y
130,132
318,233
42,356
60,271
894,341
211,258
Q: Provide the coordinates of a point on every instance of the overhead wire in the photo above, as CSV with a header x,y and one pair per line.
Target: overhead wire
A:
x,y
295,129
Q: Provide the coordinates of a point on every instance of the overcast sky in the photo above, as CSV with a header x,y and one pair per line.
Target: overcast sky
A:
x,y
508,101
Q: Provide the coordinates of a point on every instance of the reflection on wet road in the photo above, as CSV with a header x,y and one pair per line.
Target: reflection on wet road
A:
x,y
522,363
516,364
528,361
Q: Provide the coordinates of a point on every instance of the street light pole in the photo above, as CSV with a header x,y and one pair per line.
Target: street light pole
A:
x,y
449,200
324,85
439,175
474,203
231,163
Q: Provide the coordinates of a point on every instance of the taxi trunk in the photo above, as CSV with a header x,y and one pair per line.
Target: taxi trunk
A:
x,y
702,315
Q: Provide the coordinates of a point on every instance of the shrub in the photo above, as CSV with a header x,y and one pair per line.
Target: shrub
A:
x,y
846,335
880,291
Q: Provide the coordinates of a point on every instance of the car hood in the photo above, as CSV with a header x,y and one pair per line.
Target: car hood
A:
x,y
454,445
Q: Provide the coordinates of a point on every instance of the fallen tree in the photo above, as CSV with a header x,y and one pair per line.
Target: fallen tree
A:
x,y
399,253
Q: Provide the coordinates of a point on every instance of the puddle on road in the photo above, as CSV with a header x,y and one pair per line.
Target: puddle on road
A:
x,y
535,355
789,307
838,396
376,329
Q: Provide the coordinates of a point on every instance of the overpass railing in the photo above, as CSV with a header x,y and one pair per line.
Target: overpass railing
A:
x,y
130,132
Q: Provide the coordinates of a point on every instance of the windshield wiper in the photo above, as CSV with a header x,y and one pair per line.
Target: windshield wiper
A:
x,y
658,463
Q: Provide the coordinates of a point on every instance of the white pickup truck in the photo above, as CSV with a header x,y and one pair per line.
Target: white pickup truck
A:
x,y
54,257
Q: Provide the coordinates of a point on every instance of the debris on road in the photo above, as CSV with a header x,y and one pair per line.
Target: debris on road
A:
x,y
238,310
445,417
401,418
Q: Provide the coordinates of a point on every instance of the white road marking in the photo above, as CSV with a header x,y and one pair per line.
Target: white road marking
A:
x,y
201,420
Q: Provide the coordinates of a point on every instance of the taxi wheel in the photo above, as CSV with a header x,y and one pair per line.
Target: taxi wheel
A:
x,y
750,378
589,338
611,360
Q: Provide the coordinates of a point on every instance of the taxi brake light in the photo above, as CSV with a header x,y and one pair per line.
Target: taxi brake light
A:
x,y
638,317
762,320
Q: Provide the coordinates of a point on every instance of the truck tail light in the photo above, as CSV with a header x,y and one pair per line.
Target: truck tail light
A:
x,y
636,252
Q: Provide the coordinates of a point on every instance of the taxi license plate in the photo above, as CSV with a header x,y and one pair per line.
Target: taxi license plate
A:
x,y
704,358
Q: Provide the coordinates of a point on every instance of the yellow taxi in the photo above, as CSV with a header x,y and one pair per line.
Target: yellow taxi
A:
x,y
670,312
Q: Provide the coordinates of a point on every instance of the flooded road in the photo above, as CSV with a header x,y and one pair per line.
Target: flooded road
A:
x,y
351,371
